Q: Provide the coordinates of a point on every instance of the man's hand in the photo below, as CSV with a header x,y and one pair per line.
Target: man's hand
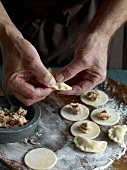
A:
x,y
90,59
89,65
21,60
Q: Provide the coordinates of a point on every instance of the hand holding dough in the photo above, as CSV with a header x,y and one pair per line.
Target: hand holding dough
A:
x,y
88,145
59,86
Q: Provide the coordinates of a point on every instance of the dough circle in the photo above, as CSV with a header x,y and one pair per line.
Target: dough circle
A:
x,y
93,133
40,158
66,113
115,116
103,99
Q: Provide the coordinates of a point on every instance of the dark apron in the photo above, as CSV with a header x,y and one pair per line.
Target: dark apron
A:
x,y
52,26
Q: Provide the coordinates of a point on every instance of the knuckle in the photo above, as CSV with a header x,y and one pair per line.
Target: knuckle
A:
x,y
8,84
29,61
103,77
27,102
32,94
84,60
69,72
47,77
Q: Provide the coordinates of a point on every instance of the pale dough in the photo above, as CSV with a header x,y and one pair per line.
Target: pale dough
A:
x,y
40,159
88,145
93,133
66,113
115,116
59,86
103,99
117,133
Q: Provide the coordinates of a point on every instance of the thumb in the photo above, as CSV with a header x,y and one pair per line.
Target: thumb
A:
x,y
43,75
69,71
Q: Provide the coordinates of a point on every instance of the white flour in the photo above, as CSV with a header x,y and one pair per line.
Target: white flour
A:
x,y
53,132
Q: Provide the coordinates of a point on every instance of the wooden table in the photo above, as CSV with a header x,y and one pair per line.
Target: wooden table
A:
x,y
120,164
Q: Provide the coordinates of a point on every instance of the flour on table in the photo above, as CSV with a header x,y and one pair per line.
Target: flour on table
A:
x,y
53,133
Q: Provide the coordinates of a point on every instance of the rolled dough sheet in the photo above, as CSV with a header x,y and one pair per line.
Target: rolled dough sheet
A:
x,y
115,116
103,99
40,159
93,133
66,113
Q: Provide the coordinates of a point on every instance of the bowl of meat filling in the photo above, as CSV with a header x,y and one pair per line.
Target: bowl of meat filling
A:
x,y
18,125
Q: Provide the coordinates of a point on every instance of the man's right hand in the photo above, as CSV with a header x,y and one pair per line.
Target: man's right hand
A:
x,y
20,60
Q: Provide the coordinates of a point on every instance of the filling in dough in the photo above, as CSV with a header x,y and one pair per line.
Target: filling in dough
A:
x,y
75,108
74,112
117,133
108,118
61,86
85,127
93,95
88,145
94,98
104,115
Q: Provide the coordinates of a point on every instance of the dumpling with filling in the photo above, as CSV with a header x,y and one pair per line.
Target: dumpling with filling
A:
x,y
59,86
89,145
117,133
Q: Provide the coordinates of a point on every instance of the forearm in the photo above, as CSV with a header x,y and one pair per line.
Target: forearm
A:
x,y
111,15
7,28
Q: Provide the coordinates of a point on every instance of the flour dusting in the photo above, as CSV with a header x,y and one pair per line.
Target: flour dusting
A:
x,y
53,132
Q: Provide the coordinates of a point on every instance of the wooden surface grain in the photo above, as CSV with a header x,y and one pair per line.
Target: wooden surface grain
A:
x,y
10,152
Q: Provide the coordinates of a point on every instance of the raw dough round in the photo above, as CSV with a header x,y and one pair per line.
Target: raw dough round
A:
x,y
93,133
40,158
109,122
103,99
66,113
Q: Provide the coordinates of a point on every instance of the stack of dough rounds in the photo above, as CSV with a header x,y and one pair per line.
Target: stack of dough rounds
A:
x,y
66,113
111,121
40,159
103,99
93,133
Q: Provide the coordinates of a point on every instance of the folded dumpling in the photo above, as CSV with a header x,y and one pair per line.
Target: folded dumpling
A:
x,y
117,133
89,145
59,86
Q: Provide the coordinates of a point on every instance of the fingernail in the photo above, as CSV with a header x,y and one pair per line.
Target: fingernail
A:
x,y
60,78
52,82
